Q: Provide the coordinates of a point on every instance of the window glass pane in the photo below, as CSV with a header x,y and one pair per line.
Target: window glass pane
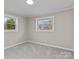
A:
x,y
9,23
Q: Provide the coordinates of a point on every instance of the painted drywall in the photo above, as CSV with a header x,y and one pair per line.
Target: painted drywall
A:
x,y
13,38
63,34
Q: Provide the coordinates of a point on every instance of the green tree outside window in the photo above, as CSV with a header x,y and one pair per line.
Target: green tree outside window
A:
x,y
9,24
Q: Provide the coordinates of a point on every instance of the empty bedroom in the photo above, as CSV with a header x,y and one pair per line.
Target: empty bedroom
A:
x,y
39,29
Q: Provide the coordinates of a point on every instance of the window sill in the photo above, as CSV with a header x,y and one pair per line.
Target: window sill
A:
x,y
10,31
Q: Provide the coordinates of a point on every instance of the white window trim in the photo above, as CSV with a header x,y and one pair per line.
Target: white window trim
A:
x,y
44,18
16,27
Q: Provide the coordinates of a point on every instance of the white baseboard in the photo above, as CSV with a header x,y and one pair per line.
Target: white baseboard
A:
x,y
45,44
14,45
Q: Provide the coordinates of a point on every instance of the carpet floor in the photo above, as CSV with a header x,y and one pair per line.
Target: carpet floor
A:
x,y
36,51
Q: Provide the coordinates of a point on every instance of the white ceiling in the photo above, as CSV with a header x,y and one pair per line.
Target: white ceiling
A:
x,y
39,8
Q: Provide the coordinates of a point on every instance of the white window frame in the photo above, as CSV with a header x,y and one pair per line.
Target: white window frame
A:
x,y
52,17
16,24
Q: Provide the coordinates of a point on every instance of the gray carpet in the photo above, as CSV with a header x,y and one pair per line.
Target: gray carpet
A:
x,y
35,51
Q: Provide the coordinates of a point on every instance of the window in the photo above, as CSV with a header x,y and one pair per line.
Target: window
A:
x,y
45,24
10,23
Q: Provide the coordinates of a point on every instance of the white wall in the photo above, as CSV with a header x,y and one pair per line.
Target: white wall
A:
x,y
12,38
63,35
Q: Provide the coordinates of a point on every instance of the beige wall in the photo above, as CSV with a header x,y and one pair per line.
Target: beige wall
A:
x,y
63,35
12,38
